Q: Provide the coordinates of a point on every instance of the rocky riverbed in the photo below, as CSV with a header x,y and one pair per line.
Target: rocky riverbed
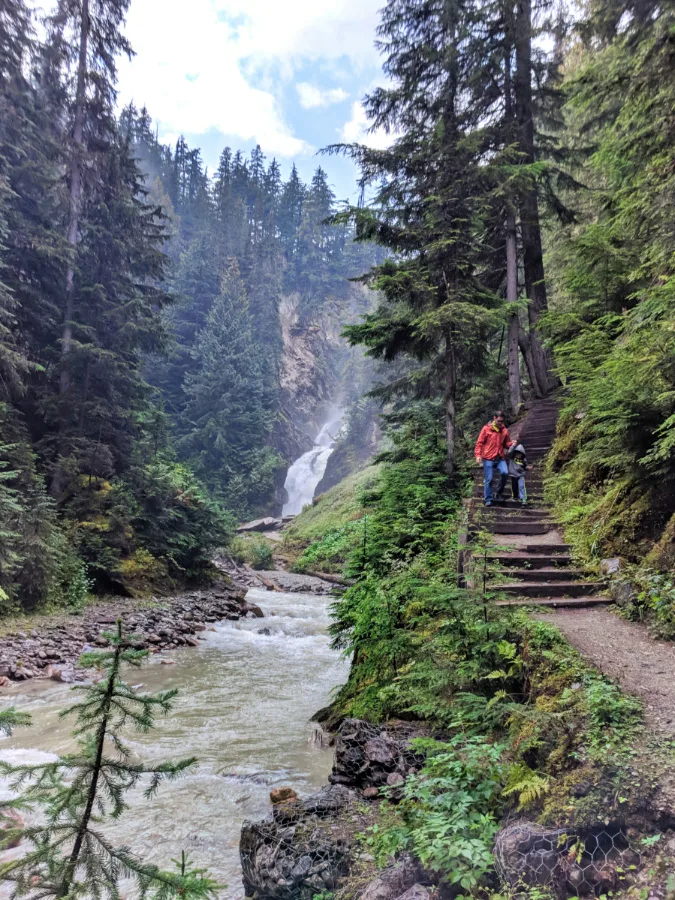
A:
x,y
51,647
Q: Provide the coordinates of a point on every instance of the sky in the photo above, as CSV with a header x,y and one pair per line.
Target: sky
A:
x,y
289,76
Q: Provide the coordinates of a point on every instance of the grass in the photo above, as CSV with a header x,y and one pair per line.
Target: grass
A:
x,y
324,534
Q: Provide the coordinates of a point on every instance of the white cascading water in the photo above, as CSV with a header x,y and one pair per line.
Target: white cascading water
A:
x,y
308,470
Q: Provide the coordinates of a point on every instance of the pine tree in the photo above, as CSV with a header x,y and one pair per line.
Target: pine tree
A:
x,y
226,411
88,34
70,856
432,209
290,213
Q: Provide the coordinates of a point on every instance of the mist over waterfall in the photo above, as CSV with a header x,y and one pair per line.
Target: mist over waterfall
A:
x,y
307,471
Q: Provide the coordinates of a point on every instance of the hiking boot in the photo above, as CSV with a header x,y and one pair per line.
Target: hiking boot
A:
x,y
487,503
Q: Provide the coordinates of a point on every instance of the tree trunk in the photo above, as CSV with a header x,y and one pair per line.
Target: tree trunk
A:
x,y
512,298
533,259
75,196
450,402
526,349
74,856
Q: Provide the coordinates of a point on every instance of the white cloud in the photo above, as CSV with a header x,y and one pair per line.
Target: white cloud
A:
x,y
312,96
194,62
355,131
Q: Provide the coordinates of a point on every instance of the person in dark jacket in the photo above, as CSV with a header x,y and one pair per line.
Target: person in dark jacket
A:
x,y
517,463
491,446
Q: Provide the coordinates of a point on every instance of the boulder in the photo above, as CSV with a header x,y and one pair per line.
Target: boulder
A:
x,y
394,881
294,857
416,892
622,592
282,795
266,524
253,610
611,566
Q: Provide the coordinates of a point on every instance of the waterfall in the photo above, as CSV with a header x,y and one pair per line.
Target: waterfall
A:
x,y
307,471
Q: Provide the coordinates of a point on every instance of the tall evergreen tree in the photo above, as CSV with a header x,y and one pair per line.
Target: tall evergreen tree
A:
x,y
229,424
430,210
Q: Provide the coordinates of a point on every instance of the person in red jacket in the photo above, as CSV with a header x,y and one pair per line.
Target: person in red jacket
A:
x,y
491,446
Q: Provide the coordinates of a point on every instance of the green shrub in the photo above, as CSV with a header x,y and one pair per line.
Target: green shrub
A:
x,y
261,554
448,816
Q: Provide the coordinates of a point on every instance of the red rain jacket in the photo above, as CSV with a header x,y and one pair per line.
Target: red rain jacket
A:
x,y
492,444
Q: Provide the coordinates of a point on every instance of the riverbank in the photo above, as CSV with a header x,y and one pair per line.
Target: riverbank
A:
x,y
49,646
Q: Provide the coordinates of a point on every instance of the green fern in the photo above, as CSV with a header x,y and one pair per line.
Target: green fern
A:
x,y
528,784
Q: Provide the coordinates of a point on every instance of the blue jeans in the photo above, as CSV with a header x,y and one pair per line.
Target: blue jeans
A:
x,y
489,467
518,488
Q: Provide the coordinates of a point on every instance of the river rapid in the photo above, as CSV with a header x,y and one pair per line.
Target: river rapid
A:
x,y
244,705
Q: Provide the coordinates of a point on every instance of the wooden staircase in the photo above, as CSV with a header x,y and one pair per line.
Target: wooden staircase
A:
x,y
528,562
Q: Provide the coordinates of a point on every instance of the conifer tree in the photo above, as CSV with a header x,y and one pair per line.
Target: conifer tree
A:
x,y
69,854
228,421
431,208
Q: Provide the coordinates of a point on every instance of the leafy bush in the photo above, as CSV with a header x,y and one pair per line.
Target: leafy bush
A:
x,y
448,816
656,601
261,554
252,549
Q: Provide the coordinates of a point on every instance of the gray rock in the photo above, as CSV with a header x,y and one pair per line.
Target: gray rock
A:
x,y
611,566
416,892
394,881
623,593
365,756
266,524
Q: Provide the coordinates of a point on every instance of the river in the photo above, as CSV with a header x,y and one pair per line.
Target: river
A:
x,y
244,707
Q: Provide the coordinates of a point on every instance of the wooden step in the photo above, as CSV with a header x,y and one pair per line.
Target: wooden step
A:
x,y
560,602
500,510
532,560
549,589
520,527
511,504
546,548
542,575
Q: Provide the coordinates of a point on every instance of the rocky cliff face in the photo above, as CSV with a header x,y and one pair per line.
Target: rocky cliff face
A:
x,y
315,367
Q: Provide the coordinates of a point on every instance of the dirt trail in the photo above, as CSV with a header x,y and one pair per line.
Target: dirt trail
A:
x,y
625,651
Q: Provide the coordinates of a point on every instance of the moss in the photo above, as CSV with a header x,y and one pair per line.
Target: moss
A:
x,y
142,574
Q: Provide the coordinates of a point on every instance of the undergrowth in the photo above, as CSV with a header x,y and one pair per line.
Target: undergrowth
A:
x,y
523,719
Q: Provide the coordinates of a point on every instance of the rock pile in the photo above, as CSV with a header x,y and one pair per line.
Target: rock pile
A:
x,y
53,652
566,862
369,758
302,849
305,846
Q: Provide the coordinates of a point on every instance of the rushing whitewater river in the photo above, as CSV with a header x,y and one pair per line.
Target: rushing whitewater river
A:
x,y
244,707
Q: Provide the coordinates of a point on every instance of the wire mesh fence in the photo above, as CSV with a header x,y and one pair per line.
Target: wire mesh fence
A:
x,y
567,863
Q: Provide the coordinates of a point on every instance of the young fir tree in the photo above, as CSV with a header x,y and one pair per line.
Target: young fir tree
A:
x,y
69,855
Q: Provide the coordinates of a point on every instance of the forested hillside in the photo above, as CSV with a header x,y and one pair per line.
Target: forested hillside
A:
x,y
141,313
